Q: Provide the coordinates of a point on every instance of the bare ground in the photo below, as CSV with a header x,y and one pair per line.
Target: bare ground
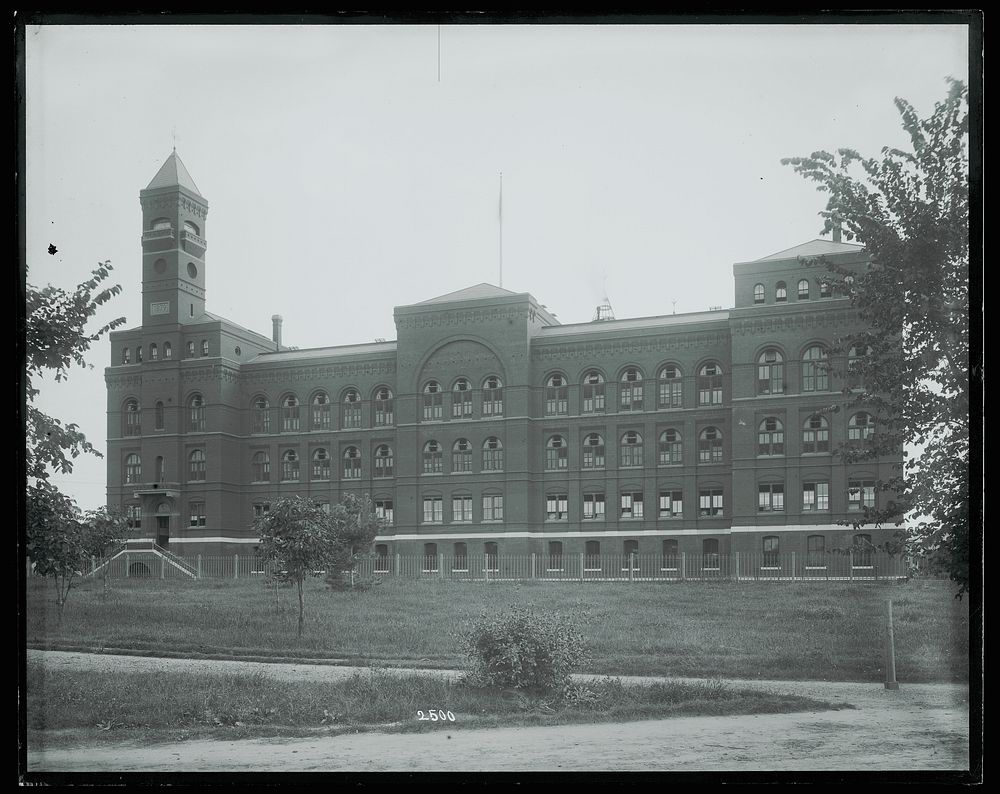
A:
x,y
918,727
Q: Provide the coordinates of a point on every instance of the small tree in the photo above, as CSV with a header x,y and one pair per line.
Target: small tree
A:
x,y
61,542
355,527
298,537
107,527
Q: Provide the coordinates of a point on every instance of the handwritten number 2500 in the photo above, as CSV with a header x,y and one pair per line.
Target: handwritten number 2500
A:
x,y
436,716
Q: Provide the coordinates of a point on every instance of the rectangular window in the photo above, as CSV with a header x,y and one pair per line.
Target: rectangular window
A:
x,y
815,496
493,401
556,401
556,507
461,404
670,394
461,508
593,507
383,411
383,510
860,494
352,416
432,406
133,513
632,504
260,508
593,398
556,458
770,498
671,504
710,502
433,510
493,507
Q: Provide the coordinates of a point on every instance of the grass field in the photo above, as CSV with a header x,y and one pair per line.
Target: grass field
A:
x,y
63,707
801,630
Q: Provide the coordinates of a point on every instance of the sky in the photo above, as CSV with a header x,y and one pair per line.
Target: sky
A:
x,y
350,169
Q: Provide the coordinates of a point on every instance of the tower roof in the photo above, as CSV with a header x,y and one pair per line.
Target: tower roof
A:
x,y
173,173
814,248
475,292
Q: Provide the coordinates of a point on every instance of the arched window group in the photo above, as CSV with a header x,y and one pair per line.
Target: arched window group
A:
x,y
462,399
802,291
461,456
320,412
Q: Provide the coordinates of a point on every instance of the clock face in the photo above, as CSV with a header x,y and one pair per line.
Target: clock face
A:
x,y
192,270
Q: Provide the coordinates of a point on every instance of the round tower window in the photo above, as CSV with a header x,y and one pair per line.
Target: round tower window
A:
x,y
192,270
238,351
160,265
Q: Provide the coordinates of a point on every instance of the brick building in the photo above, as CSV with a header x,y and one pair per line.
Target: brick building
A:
x,y
487,422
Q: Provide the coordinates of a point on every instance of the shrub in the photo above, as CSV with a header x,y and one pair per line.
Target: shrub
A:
x,y
520,648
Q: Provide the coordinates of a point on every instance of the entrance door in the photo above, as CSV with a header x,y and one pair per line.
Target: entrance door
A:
x,y
163,531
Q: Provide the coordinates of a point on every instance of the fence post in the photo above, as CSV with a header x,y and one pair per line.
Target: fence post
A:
x,y
890,649
395,570
199,566
236,566
793,566
441,565
737,555
631,562
683,565
163,567
532,565
127,566
850,571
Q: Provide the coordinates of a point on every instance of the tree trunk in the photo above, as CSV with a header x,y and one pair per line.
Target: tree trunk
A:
x,y
300,607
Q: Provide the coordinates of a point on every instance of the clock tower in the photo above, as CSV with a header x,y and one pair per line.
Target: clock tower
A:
x,y
173,247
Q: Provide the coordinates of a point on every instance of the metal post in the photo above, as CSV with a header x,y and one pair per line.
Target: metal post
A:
x,y
737,554
441,564
683,565
236,566
396,568
163,567
532,565
582,563
199,566
127,566
631,562
793,566
890,649
850,571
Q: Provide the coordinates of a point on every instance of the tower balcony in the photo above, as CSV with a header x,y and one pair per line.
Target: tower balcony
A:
x,y
191,237
158,234
157,489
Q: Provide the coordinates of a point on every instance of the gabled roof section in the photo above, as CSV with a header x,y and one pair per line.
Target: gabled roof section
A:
x,y
477,292
814,248
173,173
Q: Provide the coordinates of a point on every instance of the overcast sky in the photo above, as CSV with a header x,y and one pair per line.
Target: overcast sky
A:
x,y
351,169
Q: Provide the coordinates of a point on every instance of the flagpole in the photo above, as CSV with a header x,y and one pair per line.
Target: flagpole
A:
x,y
501,229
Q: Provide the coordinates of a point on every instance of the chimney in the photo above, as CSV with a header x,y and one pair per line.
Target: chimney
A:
x,y
836,228
276,329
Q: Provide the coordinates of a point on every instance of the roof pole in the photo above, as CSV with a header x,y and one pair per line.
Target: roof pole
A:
x,y
501,229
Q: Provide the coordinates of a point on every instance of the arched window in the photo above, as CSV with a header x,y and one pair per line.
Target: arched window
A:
x,y
593,549
383,407
555,562
803,289
593,393
710,445
430,553
261,465
815,374
780,292
432,458
492,552
190,349
669,553
771,437
290,465
159,471
133,419
770,497
631,450
556,453
321,419
383,461
320,464
671,394
825,289
671,448
290,414
350,416
158,415
190,227
816,434
133,469
710,384
492,396
204,347
710,553
138,355
154,352
261,415
758,293
556,395
770,548
196,465
857,360
168,351
593,452
630,391
196,413
770,372
492,454
861,427
461,455
815,549
126,356
352,463
161,223
630,547
432,401
461,399
461,555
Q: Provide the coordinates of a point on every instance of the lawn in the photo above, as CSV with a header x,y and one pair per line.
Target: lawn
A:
x,y
792,630
144,707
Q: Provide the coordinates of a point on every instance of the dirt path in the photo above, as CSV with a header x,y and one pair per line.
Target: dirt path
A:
x,y
918,727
